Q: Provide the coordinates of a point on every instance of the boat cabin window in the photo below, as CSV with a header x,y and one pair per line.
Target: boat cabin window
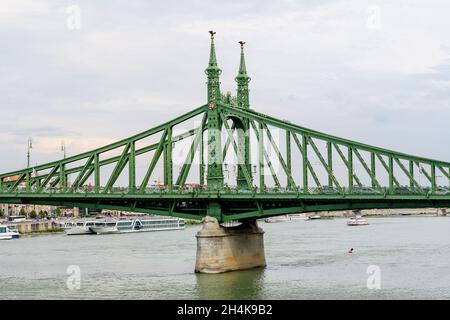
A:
x,y
2,229
125,223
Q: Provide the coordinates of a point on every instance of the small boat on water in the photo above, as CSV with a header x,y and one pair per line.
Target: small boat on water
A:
x,y
298,216
286,218
6,233
277,219
357,221
138,225
314,217
79,227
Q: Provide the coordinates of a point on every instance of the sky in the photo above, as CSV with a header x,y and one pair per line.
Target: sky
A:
x,y
93,72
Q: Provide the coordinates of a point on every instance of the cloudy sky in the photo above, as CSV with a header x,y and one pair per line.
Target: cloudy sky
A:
x,y
373,71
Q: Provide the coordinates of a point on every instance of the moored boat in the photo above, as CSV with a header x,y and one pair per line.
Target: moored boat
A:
x,y
78,227
298,216
357,221
286,218
277,219
7,234
138,225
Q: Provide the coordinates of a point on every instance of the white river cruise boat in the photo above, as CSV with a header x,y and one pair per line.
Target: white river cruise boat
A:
x,y
286,218
357,221
78,227
7,234
138,225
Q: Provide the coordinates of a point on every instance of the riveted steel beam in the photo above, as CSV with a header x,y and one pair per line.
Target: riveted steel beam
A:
x,y
280,158
235,147
306,165
260,137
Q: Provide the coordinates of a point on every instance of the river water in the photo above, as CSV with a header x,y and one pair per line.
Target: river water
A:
x,y
305,260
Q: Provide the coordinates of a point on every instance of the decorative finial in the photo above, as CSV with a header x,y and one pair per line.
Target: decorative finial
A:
x,y
242,79
242,68
212,54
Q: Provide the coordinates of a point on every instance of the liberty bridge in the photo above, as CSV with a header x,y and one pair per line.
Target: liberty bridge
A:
x,y
282,168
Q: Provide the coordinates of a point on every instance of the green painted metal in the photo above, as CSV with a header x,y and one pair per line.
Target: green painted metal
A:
x,y
154,161
280,157
373,168
97,173
330,163
260,137
228,142
445,173
411,173
391,175
201,156
308,163
118,169
49,183
348,165
289,158
385,166
215,171
190,156
350,169
433,178
242,80
422,170
168,168
241,163
305,163
132,167
82,173
328,166
370,172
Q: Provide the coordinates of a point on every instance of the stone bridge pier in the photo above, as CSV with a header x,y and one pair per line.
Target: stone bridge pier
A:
x,y
222,249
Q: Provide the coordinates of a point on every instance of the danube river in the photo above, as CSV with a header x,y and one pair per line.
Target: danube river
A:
x,y
305,260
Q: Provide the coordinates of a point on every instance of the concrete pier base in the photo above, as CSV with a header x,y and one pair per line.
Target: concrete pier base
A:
x,y
221,249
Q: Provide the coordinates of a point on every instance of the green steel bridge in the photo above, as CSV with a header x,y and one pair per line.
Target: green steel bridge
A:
x,y
281,168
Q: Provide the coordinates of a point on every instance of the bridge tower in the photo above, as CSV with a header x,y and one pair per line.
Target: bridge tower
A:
x,y
243,125
219,248
215,171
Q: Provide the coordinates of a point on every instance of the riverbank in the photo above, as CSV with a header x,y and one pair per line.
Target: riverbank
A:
x,y
384,213
37,226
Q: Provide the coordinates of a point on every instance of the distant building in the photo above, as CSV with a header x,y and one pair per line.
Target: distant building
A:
x,y
15,209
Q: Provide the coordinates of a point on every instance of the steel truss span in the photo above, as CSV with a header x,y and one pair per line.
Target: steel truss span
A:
x,y
280,168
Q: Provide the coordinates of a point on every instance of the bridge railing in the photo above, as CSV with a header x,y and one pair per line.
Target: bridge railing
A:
x,y
380,170
163,190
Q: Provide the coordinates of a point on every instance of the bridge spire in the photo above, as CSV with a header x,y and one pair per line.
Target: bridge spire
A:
x,y
214,125
213,72
242,80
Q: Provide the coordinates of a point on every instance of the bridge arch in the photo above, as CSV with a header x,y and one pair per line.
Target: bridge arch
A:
x,y
242,154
